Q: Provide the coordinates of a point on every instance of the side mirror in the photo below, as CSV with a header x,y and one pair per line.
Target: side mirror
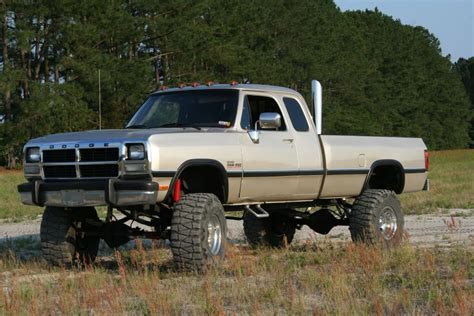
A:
x,y
270,120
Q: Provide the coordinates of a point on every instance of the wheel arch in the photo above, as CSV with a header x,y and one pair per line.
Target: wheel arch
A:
x,y
380,170
222,188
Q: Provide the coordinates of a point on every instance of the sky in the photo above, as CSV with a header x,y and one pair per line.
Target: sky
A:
x,y
451,21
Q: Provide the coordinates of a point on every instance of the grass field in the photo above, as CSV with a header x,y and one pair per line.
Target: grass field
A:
x,y
343,279
451,176
10,205
451,184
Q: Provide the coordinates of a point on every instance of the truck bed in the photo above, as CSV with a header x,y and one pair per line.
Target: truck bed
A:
x,y
348,161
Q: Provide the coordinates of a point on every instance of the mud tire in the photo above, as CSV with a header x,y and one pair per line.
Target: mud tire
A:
x,y
366,213
60,243
190,231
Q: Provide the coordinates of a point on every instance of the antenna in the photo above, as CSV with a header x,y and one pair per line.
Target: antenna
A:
x,y
100,106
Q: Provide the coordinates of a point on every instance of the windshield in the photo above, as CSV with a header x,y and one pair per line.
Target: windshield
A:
x,y
198,108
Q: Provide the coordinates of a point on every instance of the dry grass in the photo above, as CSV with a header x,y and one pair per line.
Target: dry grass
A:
x,y
346,279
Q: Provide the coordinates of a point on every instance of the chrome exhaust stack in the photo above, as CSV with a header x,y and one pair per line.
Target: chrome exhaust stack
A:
x,y
317,95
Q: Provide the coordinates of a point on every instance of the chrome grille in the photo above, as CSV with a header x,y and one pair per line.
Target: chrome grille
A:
x,y
59,171
59,155
99,171
99,154
76,162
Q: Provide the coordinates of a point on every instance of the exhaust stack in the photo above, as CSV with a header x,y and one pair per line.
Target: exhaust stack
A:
x,y
317,94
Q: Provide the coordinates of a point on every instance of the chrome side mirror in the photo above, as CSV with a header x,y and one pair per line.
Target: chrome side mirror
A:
x,y
267,120
270,120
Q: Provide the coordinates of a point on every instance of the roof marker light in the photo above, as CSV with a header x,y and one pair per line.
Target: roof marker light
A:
x,y
163,88
210,83
182,85
234,83
195,84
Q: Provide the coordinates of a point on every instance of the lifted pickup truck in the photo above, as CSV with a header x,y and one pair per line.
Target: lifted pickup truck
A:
x,y
189,155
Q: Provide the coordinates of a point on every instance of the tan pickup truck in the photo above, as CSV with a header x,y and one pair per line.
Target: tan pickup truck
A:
x,y
191,155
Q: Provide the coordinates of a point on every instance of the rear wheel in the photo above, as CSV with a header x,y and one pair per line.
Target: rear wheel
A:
x,y
377,218
198,231
274,231
61,242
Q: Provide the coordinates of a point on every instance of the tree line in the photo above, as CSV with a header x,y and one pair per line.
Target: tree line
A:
x,y
380,77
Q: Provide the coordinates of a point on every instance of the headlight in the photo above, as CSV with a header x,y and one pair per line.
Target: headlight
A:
x,y
136,151
32,154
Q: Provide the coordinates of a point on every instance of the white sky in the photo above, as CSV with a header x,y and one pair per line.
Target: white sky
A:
x,y
451,21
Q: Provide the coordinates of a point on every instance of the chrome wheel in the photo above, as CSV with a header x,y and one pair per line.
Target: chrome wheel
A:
x,y
388,223
214,235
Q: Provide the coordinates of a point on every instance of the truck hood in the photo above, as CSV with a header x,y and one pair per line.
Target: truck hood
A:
x,y
111,135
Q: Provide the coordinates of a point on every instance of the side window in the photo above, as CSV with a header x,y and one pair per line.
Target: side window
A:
x,y
258,104
296,115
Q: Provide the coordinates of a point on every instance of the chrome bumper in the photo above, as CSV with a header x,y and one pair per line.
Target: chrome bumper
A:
x,y
111,192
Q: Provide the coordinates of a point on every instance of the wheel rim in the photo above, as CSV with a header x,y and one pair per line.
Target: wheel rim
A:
x,y
214,235
388,223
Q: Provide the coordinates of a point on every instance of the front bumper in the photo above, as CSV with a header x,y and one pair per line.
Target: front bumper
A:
x,y
113,192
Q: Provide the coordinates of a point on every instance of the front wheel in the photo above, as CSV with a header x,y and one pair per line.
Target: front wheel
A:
x,y
198,231
61,243
377,218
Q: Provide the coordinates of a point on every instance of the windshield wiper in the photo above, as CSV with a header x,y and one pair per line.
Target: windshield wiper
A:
x,y
180,125
136,126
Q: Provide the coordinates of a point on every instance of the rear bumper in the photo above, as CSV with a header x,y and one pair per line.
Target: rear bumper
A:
x,y
113,192
426,187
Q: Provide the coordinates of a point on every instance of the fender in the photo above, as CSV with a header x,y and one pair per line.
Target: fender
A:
x,y
201,163
386,162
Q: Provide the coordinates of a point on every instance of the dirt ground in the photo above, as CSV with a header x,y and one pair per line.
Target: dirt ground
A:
x,y
453,227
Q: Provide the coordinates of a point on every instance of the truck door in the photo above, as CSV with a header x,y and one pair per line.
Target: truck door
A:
x,y
270,167
310,155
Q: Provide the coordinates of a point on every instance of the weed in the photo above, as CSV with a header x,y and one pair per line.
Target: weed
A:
x,y
344,279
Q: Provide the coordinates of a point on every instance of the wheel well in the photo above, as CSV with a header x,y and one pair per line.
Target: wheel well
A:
x,y
387,175
207,178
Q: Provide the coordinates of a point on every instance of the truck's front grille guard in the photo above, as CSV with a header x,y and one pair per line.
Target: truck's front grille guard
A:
x,y
78,163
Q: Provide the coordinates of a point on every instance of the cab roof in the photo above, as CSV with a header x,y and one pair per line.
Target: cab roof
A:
x,y
244,86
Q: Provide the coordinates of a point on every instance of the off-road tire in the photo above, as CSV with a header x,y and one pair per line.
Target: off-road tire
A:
x,y
190,231
265,231
365,214
60,243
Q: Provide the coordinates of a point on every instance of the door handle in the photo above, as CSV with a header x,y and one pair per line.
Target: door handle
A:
x,y
288,140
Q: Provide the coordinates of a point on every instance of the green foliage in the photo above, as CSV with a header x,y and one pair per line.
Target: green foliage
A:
x,y
379,77
465,69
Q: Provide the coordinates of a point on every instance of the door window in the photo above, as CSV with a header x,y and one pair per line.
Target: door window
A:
x,y
254,106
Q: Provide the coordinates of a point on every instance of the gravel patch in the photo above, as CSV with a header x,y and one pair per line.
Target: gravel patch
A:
x,y
455,227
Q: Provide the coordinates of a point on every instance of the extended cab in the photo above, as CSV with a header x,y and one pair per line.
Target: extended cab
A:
x,y
191,154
